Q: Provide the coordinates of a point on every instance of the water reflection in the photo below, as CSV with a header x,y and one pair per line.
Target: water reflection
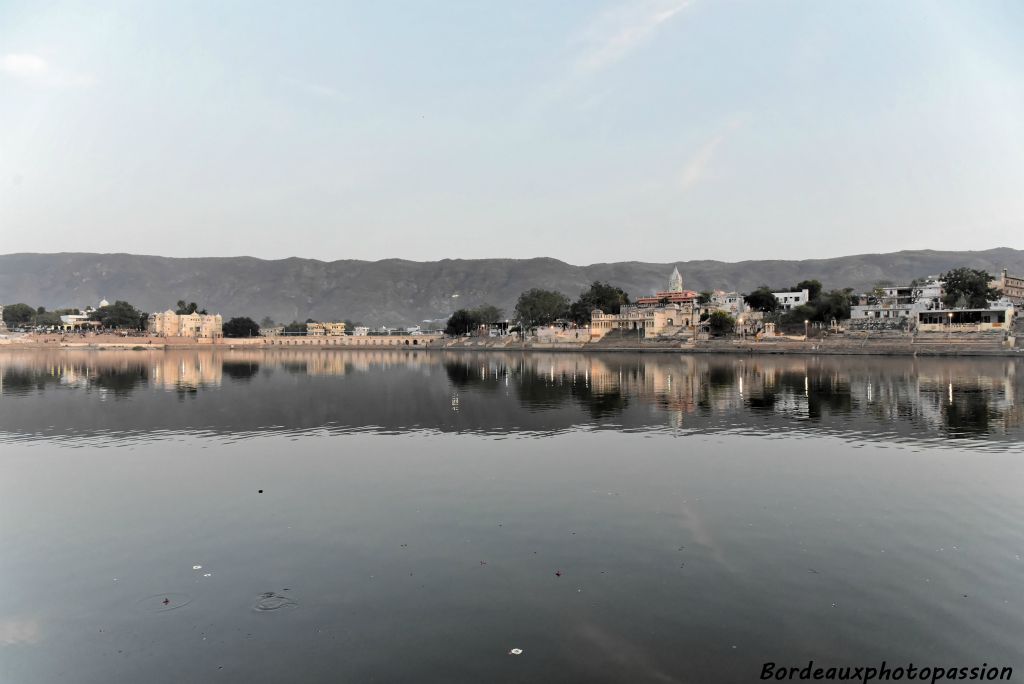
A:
x,y
236,391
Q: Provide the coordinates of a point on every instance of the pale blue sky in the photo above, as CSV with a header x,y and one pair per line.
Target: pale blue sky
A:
x,y
586,131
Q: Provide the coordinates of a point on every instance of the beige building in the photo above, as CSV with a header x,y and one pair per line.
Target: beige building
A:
x,y
170,324
1011,287
670,312
965,320
325,329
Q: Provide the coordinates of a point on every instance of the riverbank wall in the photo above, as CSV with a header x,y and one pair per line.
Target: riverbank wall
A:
x,y
837,345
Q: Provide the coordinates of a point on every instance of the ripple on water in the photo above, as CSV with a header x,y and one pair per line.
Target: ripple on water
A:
x,y
270,600
161,603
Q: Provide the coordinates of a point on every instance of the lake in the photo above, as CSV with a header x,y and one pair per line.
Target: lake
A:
x,y
388,516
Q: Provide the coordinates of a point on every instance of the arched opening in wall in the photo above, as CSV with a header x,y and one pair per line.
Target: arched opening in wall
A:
x,y
415,342
407,343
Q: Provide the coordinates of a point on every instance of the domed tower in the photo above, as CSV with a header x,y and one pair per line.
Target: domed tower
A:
x,y
675,281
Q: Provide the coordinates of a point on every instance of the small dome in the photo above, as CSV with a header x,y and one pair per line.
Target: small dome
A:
x,y
103,303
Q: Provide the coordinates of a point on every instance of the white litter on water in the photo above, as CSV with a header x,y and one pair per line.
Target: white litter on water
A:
x,y
207,574
515,651
197,567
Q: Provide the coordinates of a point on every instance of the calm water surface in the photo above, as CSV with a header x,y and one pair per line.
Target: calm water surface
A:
x,y
655,518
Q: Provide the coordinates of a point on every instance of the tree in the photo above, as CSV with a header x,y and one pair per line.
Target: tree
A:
x,y
461,322
488,314
813,288
540,307
267,322
295,328
705,297
185,309
721,323
241,326
120,314
607,298
762,299
18,314
969,287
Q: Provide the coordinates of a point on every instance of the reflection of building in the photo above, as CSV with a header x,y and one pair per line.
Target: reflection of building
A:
x,y
170,324
1011,287
186,371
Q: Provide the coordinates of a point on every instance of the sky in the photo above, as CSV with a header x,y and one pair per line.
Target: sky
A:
x,y
652,130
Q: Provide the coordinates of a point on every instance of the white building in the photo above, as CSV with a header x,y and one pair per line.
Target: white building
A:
x,y
730,302
791,300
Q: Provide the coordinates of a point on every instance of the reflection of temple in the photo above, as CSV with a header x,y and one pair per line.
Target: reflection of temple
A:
x,y
903,397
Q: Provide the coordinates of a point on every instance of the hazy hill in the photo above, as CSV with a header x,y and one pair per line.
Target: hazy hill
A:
x,y
394,291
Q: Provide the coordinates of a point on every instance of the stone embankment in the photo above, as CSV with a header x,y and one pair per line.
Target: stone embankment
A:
x,y
933,344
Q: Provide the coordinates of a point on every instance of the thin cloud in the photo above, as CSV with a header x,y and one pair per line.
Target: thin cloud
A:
x,y
616,32
693,172
35,70
696,167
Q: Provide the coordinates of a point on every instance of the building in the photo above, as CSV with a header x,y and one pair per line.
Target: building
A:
x,y
896,307
669,312
316,329
965,320
361,331
1011,287
791,300
731,303
171,324
675,294
272,331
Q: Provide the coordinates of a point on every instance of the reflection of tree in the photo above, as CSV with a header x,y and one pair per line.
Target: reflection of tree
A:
x,y
240,370
463,374
969,413
17,380
121,381
600,404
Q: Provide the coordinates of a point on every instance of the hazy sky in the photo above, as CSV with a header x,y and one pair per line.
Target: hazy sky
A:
x,y
586,131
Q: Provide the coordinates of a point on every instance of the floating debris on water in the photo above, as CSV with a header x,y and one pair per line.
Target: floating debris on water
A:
x,y
270,600
197,567
160,603
558,573
515,651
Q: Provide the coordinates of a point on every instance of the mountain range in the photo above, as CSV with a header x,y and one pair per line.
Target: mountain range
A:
x,y
400,292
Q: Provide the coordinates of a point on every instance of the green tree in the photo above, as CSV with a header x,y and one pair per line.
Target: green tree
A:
x,y
462,321
608,298
18,314
267,322
813,288
185,309
120,314
241,326
295,328
705,297
968,287
488,314
540,307
762,299
721,323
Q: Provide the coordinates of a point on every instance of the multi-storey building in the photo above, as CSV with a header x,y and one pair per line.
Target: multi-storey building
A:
x,y
1011,287
171,324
